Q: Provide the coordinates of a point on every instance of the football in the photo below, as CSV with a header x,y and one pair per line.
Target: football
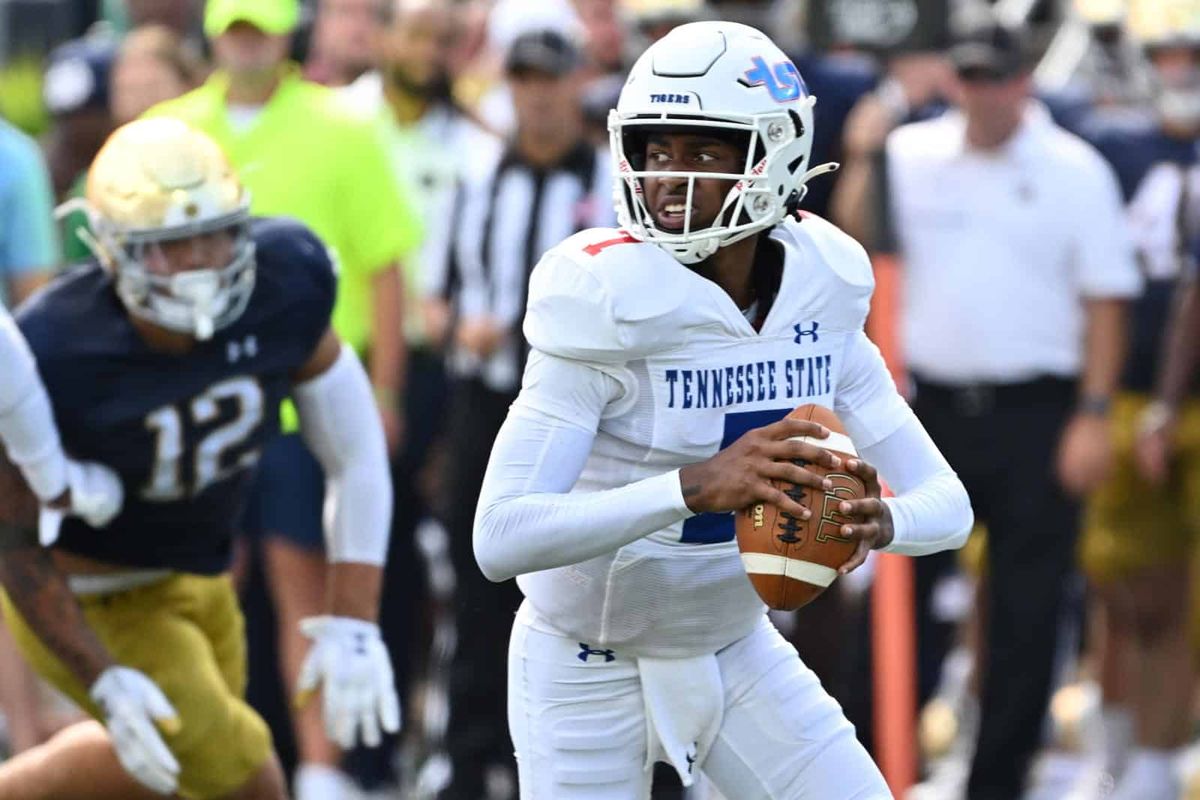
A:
x,y
790,561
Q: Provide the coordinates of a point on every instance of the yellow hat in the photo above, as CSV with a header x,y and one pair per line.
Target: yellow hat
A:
x,y
275,17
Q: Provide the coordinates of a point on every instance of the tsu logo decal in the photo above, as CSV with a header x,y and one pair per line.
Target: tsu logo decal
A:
x,y
783,80
586,652
801,333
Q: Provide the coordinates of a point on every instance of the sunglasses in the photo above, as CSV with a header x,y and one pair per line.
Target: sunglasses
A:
x,y
977,74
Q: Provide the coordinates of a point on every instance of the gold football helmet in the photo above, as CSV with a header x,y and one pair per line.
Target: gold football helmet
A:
x,y
1159,23
1159,26
157,181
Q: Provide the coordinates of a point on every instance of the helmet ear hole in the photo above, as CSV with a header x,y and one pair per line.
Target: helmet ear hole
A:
x,y
797,122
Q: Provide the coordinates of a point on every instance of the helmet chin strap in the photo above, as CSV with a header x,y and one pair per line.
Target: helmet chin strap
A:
x,y
820,169
200,289
793,202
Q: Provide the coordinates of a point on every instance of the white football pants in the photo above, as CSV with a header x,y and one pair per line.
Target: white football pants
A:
x,y
579,725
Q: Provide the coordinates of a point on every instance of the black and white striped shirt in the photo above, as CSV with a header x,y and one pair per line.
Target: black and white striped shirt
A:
x,y
508,216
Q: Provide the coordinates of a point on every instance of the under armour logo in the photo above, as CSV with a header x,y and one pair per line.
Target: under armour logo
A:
x,y
246,348
586,652
801,333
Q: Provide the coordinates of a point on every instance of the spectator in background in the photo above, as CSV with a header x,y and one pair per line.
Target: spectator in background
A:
x,y
434,142
302,152
28,242
915,86
1016,269
75,91
181,16
600,96
548,183
654,19
604,36
344,40
838,81
153,64
28,256
1141,525
506,20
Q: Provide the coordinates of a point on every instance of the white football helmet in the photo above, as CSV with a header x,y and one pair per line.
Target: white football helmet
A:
x,y
1163,24
160,180
715,76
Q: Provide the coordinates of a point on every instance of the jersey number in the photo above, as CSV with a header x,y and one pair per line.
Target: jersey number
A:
x,y
167,424
713,527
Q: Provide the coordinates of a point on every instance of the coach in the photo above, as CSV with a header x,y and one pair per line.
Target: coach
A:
x,y
1016,272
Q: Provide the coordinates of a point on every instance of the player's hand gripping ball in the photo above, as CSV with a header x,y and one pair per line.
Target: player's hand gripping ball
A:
x,y
790,560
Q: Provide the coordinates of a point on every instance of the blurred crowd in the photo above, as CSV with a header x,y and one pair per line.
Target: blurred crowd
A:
x,y
440,146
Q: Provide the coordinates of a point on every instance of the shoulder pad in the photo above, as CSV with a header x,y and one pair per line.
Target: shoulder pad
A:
x,y
602,295
282,243
298,269
57,316
840,258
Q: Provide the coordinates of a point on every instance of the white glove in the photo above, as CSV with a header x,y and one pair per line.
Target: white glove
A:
x,y
132,704
96,493
96,498
348,660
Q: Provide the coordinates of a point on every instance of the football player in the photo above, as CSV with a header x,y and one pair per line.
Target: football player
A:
x,y
164,358
665,356
1141,526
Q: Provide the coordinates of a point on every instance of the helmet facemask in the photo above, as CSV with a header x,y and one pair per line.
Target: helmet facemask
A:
x,y
769,186
197,302
1177,90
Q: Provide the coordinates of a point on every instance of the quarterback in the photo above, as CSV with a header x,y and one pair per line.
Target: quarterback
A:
x,y
664,358
163,359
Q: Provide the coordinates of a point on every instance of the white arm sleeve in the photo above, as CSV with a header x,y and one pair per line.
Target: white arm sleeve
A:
x,y
27,427
340,423
527,519
931,510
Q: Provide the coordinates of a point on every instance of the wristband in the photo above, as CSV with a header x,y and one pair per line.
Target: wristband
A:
x,y
1094,405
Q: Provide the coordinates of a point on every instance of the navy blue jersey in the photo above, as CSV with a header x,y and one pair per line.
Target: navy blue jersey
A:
x,y
1152,169
838,82
184,432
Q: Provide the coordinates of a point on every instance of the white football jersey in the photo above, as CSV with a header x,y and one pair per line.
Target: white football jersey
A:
x,y
696,377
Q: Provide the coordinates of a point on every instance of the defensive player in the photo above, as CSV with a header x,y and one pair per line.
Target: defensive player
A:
x,y
664,358
1141,526
164,359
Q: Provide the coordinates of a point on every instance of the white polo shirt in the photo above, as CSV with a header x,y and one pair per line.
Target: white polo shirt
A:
x,y
1001,248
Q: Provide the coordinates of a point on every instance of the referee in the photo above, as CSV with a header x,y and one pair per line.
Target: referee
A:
x,y
1016,269
546,184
